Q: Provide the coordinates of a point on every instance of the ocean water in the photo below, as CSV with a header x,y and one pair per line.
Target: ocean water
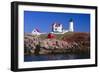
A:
x,y
29,58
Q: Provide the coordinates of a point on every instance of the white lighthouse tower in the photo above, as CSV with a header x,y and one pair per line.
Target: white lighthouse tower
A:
x,y
71,27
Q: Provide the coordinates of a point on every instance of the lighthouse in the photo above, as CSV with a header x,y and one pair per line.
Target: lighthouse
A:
x,y
71,27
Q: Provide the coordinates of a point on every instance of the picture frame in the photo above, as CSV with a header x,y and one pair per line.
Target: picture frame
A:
x,y
23,17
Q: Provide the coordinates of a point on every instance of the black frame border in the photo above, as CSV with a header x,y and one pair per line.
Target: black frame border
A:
x,y
14,35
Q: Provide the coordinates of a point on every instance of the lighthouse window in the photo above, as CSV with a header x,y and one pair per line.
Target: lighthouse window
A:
x,y
55,28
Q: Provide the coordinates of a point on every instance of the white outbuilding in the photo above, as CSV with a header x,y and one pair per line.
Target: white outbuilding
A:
x,y
36,32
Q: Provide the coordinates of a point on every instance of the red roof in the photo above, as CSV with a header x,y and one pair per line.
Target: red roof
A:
x,y
57,25
37,30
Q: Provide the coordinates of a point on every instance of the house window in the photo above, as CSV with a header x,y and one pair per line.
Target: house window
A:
x,y
55,28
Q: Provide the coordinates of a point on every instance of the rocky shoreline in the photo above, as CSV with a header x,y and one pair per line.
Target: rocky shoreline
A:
x,y
67,43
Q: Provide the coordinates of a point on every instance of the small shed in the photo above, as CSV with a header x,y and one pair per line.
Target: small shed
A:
x,y
51,35
36,32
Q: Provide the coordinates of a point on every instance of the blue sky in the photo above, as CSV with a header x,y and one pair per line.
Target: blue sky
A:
x,y
44,20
